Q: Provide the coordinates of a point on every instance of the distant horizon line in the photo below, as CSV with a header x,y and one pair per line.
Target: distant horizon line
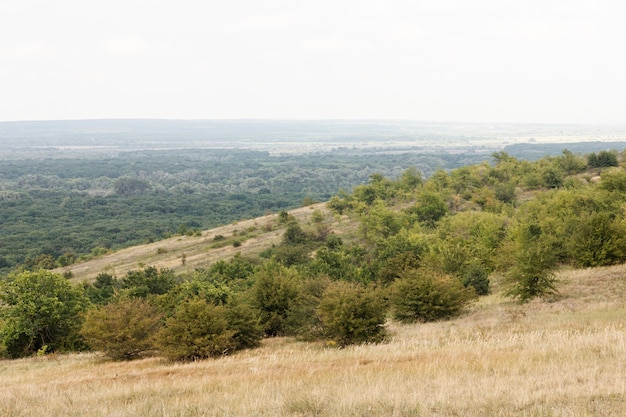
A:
x,y
114,119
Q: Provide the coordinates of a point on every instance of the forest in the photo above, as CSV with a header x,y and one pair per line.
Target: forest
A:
x,y
423,249
58,210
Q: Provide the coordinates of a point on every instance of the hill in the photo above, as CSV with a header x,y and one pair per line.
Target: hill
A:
x,y
486,290
560,358
253,235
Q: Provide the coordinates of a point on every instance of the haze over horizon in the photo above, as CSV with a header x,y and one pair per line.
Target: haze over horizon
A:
x,y
447,61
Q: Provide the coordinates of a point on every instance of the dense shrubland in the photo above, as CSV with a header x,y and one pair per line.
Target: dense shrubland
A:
x,y
424,250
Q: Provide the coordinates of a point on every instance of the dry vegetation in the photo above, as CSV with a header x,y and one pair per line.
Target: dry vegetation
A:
x,y
255,235
563,357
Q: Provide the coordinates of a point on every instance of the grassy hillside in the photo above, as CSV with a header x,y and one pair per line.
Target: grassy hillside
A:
x,y
438,253
255,235
562,357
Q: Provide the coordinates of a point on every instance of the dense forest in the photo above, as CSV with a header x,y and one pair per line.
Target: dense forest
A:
x,y
58,210
424,248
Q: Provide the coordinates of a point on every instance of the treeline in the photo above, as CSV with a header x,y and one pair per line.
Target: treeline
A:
x,y
56,211
425,248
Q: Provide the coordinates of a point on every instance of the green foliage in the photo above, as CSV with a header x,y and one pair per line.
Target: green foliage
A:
x,y
150,280
239,267
425,295
124,329
102,289
275,293
430,207
243,320
317,216
531,274
128,186
602,160
294,235
570,163
597,240
410,179
613,180
201,330
379,221
40,310
352,314
476,275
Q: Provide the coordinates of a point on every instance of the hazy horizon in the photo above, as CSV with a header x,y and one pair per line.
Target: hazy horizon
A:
x,y
488,61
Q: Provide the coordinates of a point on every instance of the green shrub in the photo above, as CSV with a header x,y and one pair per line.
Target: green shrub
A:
x,y
476,275
122,330
150,280
275,292
531,277
41,311
351,314
243,320
425,295
201,330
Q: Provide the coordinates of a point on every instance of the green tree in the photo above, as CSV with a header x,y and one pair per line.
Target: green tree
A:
x,y
150,280
275,292
430,207
41,311
124,329
128,186
294,235
102,290
531,274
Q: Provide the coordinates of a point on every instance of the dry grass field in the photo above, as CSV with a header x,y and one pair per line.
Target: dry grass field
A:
x,y
562,357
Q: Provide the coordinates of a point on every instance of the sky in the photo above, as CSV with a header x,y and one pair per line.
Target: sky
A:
x,y
531,61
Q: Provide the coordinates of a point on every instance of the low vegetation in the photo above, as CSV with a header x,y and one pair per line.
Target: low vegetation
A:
x,y
563,358
415,250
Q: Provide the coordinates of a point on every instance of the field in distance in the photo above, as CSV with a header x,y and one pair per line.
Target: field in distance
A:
x,y
562,357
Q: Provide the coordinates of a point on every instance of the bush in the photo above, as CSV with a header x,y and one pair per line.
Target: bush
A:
x,y
351,314
424,295
141,283
476,275
531,276
275,292
41,311
201,330
122,330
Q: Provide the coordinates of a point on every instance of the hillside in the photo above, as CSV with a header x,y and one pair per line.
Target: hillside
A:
x,y
561,358
255,235
489,289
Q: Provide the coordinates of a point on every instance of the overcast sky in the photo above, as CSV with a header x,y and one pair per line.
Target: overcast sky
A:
x,y
561,61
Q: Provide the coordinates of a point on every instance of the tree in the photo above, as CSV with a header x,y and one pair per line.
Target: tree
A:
x,y
275,292
430,208
150,280
122,330
128,186
531,275
102,289
41,311
294,235
602,160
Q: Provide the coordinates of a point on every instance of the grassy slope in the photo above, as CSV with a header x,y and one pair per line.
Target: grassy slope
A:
x,y
566,357
200,251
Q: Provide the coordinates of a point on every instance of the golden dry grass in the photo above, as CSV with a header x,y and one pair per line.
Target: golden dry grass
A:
x,y
200,251
566,357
